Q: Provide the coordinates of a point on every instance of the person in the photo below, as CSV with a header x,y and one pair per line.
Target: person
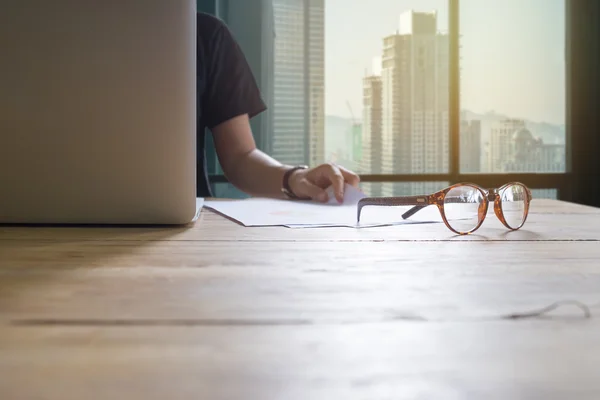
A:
x,y
228,97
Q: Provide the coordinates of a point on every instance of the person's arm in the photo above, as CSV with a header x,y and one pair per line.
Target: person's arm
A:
x,y
231,98
257,174
246,167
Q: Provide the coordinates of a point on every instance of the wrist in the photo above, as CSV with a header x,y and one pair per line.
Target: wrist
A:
x,y
290,177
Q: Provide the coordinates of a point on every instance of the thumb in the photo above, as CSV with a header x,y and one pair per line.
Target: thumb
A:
x,y
313,191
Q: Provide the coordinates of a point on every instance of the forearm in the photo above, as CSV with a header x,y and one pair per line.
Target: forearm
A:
x,y
257,174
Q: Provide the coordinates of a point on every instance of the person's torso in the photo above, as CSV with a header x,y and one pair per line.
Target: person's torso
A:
x,y
205,30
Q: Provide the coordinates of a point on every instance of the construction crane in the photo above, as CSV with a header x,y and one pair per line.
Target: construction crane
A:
x,y
354,123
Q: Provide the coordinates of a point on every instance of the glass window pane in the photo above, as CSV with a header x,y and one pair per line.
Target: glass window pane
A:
x,y
512,61
386,86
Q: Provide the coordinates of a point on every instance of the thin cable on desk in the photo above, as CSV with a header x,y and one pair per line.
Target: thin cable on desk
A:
x,y
294,322
541,312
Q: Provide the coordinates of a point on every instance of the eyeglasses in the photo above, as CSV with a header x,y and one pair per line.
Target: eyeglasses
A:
x,y
464,206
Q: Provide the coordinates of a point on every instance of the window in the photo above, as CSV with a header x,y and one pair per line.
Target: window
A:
x,y
413,94
512,86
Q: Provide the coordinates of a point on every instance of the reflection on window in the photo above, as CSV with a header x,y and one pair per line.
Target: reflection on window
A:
x,y
512,86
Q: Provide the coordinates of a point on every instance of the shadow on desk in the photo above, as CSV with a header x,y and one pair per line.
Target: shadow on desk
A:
x,y
28,265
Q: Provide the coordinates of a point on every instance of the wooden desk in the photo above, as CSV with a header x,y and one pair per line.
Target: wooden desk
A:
x,y
218,311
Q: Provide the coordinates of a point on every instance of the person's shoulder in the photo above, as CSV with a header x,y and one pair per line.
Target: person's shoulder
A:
x,y
208,24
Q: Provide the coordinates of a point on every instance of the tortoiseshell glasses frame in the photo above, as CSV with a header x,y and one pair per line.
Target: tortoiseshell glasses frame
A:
x,y
439,199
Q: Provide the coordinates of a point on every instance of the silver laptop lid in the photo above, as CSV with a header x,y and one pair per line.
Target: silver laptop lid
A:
x,y
97,111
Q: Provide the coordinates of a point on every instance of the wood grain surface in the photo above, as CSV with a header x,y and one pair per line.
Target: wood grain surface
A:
x,y
218,311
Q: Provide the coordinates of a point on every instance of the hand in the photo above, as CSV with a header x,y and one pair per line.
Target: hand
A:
x,y
313,182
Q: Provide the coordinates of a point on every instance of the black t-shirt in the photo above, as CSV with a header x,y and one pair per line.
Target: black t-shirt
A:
x,y
226,87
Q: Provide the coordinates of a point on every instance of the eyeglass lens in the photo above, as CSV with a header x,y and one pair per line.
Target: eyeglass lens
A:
x,y
513,200
461,207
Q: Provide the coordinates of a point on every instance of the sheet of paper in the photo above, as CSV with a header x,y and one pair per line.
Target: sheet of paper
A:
x,y
199,204
308,214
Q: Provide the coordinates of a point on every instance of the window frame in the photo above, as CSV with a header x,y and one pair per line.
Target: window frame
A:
x,y
562,182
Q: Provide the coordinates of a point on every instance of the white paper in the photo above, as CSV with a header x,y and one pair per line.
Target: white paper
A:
x,y
199,204
309,214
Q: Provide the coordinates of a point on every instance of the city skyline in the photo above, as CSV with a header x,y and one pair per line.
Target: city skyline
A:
x,y
405,117
512,54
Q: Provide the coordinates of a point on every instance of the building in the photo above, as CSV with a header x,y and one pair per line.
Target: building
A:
x,y
499,150
371,133
514,149
415,99
316,80
299,82
528,154
553,158
470,146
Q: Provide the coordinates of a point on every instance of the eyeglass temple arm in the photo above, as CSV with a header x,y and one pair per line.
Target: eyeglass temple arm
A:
x,y
392,201
412,211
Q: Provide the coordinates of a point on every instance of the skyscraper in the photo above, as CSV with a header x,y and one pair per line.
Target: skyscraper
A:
x,y
470,146
415,98
316,80
371,133
299,98
501,138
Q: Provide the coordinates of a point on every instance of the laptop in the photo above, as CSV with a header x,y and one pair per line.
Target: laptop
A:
x,y
98,111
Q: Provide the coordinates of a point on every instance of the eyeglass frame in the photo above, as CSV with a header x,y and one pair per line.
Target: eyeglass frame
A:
x,y
438,199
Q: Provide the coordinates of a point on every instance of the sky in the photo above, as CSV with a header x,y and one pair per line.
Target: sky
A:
x,y
512,55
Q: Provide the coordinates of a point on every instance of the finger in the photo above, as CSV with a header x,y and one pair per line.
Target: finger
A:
x,y
337,180
313,191
350,176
